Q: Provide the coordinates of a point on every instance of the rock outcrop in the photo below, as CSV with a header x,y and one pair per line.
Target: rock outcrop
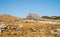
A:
x,y
33,16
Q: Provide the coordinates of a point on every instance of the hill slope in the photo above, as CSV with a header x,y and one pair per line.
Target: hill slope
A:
x,y
11,26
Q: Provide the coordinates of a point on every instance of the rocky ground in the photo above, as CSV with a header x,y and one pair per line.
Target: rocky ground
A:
x,y
11,26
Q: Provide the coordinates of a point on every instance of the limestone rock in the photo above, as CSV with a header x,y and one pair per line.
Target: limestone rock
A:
x,y
33,16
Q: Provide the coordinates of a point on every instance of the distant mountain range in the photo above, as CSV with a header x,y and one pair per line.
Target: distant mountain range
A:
x,y
37,17
8,18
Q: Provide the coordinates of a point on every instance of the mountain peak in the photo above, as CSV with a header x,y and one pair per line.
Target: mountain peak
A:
x,y
33,16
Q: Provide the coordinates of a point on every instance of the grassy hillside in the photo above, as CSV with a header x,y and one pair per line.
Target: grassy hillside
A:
x,y
17,27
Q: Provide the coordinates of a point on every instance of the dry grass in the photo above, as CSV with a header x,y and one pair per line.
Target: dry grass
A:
x,y
30,29
27,32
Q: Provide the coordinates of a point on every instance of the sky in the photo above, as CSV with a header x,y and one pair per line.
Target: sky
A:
x,y
21,8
